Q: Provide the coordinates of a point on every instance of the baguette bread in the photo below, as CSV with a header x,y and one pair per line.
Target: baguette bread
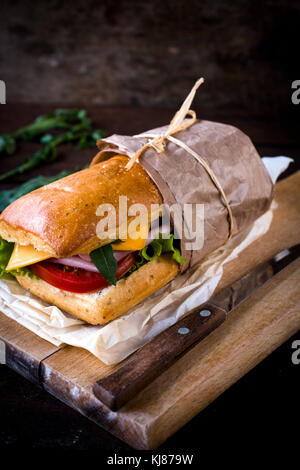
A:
x,y
60,218
103,306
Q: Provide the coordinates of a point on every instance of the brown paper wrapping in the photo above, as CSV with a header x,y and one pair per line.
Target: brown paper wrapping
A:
x,y
182,179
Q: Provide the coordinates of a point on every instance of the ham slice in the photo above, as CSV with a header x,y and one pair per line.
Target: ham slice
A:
x,y
85,262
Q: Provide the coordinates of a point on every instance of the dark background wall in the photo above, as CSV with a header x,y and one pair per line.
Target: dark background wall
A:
x,y
134,52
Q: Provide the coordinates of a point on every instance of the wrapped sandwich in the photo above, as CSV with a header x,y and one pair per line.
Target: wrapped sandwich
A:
x,y
52,243
57,255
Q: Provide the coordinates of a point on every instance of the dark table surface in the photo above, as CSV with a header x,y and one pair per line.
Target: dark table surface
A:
x,y
264,403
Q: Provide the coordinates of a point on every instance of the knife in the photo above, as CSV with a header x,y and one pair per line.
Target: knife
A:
x,y
162,351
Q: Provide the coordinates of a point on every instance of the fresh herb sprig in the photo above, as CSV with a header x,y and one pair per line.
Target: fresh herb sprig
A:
x,y
75,123
7,196
104,260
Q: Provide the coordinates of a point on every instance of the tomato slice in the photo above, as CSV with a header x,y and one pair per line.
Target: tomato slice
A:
x,y
78,280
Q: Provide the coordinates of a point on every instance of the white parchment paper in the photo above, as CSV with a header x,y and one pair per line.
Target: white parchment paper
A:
x,y
115,341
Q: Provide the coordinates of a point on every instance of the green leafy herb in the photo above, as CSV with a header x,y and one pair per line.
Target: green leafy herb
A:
x,y
7,196
25,271
6,249
168,246
45,139
162,245
152,251
104,260
140,262
156,248
77,130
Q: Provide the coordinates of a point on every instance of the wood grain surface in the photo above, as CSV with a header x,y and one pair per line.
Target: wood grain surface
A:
x,y
24,350
164,349
252,332
156,356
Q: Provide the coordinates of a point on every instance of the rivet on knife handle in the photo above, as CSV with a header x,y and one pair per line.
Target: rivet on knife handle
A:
x,y
156,356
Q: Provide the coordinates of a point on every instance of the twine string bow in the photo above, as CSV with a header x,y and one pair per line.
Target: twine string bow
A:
x,y
177,124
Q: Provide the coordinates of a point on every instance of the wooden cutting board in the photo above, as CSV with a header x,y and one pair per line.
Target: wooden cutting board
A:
x,y
251,332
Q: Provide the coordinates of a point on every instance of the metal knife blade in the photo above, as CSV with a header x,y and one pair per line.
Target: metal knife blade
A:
x,y
162,351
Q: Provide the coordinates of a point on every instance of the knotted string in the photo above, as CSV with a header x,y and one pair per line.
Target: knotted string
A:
x,y
179,123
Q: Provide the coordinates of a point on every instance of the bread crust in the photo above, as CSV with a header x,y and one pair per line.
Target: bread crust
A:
x,y
98,308
60,218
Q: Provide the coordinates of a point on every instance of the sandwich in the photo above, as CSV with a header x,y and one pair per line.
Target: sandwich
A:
x,y
51,244
72,244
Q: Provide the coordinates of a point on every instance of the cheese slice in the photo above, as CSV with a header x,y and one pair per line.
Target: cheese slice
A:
x,y
140,235
129,244
25,255
136,239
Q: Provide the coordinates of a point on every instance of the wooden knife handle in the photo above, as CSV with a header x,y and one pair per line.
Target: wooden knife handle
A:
x,y
156,356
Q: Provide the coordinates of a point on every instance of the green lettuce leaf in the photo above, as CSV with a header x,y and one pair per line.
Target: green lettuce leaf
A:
x,y
152,251
6,249
162,245
156,248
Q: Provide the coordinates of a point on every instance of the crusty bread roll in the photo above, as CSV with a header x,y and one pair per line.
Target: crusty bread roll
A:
x,y
103,306
61,219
